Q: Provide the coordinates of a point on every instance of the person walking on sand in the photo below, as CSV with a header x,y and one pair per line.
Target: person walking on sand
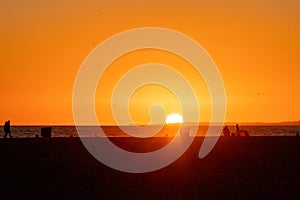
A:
x,y
7,129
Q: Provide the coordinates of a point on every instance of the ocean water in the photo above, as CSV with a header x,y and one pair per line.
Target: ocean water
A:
x,y
114,131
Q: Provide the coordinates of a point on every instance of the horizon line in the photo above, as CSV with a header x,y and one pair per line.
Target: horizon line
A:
x,y
296,122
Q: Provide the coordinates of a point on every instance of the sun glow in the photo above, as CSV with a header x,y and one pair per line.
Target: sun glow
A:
x,y
174,119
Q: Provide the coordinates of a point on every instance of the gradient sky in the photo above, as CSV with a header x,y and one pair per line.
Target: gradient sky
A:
x,y
255,44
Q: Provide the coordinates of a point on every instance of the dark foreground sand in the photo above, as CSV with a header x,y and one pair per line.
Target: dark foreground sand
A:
x,y
237,168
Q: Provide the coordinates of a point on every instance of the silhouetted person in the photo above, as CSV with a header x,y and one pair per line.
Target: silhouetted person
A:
x,y
297,134
232,134
7,129
226,131
246,134
238,131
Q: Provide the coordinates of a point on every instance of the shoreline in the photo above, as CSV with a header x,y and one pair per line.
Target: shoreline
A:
x,y
112,131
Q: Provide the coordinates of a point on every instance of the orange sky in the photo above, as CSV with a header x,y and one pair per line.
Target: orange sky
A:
x,y
255,45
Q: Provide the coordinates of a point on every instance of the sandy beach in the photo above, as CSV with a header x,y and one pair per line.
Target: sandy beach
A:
x,y
237,168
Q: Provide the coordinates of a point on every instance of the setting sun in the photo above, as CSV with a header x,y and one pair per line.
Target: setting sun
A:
x,y
246,41
174,119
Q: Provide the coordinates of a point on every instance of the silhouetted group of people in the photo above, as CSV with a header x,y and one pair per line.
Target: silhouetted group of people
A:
x,y
239,132
7,129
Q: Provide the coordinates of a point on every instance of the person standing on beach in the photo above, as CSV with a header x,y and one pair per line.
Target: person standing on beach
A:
x,y
7,129
226,131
